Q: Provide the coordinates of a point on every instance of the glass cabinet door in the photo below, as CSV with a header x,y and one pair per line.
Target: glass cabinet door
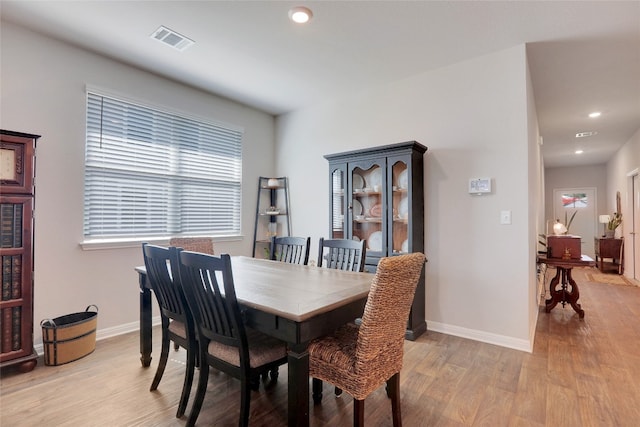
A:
x,y
399,175
368,206
338,204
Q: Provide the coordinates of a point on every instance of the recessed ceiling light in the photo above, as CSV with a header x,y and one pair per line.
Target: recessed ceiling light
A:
x,y
585,134
595,114
300,14
579,151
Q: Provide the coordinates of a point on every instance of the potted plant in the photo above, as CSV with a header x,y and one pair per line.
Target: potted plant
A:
x,y
614,222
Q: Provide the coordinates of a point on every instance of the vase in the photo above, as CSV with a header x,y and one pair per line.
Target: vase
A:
x,y
609,234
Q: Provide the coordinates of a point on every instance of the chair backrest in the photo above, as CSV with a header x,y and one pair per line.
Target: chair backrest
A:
x,y
342,254
162,270
207,281
294,250
386,312
193,244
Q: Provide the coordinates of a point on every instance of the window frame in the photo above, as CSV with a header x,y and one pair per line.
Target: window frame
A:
x,y
231,178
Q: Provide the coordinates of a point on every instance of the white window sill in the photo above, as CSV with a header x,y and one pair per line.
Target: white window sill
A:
x,y
92,245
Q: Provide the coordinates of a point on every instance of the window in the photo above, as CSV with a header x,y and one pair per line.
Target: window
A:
x,y
575,200
150,173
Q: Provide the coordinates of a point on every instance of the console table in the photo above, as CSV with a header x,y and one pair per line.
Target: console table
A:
x,y
568,291
609,248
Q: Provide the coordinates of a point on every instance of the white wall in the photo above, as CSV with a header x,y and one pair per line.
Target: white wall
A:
x,y
43,92
536,206
473,117
625,161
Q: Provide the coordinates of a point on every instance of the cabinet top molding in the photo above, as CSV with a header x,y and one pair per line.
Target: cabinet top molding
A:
x,y
381,150
19,134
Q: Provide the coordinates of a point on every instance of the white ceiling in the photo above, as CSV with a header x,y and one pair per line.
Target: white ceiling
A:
x,y
583,56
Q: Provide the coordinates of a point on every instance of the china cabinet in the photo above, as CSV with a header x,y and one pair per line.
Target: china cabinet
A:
x,y
377,194
272,214
17,167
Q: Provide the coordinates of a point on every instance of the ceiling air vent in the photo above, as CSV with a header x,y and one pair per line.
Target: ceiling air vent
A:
x,y
585,134
173,39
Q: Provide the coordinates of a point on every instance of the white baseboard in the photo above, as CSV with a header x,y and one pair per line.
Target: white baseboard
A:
x,y
486,337
114,331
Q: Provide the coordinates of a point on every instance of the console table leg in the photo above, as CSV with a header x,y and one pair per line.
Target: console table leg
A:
x,y
556,295
568,292
573,296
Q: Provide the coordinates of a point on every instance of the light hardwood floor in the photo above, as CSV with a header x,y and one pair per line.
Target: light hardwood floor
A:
x,y
581,373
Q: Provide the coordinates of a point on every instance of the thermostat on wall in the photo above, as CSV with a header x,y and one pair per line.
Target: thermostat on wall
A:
x,y
480,185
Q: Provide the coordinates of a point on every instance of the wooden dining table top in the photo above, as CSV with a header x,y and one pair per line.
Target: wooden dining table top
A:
x,y
292,291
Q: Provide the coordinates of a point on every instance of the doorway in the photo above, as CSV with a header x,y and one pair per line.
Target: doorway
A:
x,y
581,204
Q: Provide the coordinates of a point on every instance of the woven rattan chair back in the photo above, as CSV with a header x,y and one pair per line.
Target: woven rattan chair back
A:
x,y
384,321
223,340
193,244
359,359
294,250
177,322
342,254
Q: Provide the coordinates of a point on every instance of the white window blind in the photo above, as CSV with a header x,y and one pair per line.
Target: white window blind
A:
x,y
152,173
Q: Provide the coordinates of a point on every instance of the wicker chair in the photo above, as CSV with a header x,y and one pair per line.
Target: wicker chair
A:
x,y
342,254
294,250
359,359
193,244
177,321
224,342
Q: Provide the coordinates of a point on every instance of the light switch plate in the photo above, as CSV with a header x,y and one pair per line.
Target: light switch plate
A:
x,y
505,217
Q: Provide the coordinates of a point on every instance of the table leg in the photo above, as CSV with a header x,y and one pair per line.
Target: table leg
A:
x,y
564,294
298,367
145,322
572,296
556,295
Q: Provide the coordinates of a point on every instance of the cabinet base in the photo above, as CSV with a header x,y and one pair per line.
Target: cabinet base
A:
x,y
23,364
415,332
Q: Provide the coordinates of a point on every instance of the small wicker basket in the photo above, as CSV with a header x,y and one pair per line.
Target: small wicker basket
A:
x,y
70,337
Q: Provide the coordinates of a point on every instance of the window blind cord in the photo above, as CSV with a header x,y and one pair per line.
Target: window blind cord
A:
x,y
101,118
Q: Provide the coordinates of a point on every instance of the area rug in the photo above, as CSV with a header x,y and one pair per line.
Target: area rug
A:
x,y
610,279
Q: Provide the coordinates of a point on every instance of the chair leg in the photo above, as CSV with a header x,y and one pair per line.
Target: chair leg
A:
x,y
358,413
254,382
273,374
164,355
245,403
203,379
188,381
393,387
316,389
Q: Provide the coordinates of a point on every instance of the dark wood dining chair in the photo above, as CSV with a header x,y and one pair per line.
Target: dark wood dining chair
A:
x,y
224,342
359,359
342,254
294,250
177,322
193,244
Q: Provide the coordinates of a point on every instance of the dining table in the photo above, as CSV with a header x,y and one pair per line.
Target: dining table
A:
x,y
291,302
